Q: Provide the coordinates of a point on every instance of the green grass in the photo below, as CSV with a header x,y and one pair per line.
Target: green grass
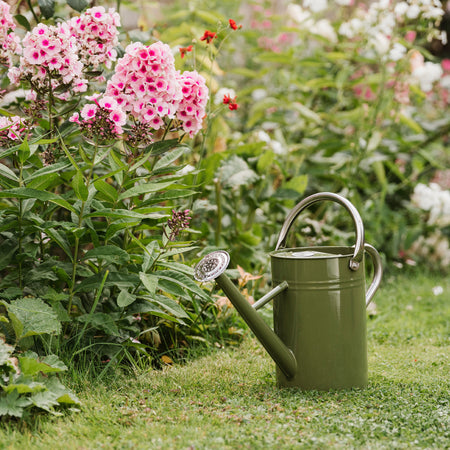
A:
x,y
228,399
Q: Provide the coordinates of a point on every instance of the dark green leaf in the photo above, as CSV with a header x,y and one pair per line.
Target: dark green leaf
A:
x,y
102,322
109,253
77,5
43,196
22,20
47,8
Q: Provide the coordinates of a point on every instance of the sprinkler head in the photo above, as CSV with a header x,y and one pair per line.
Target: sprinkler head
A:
x,y
211,266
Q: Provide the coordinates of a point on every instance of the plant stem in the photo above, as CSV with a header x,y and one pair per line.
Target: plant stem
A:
x,y
77,238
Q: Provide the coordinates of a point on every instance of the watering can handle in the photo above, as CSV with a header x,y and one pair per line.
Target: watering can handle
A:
x,y
359,226
377,272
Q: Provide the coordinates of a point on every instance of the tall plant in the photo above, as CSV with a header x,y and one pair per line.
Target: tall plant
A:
x,y
93,191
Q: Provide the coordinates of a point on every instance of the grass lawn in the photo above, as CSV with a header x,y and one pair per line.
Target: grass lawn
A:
x,y
228,399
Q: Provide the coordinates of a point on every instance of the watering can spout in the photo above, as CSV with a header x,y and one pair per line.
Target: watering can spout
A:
x,y
212,267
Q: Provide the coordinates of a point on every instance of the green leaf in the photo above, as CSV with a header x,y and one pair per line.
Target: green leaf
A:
x,y
24,151
31,316
145,189
30,365
77,5
125,298
118,214
42,196
107,190
298,183
23,21
170,157
150,281
47,8
58,167
79,187
110,253
102,322
170,306
115,279
24,388
184,281
150,255
8,173
236,172
13,405
45,400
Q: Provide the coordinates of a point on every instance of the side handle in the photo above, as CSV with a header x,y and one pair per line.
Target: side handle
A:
x,y
377,272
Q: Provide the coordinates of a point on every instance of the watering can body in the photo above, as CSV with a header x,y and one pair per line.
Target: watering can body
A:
x,y
320,298
321,317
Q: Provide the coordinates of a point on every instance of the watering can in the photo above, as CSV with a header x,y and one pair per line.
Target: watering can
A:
x,y
320,299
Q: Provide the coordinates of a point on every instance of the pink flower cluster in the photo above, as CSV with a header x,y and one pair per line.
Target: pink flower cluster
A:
x,y
9,41
145,83
97,35
149,88
11,128
49,52
101,120
191,109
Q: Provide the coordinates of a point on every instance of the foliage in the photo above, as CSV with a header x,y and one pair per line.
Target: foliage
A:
x,y
347,99
95,188
28,382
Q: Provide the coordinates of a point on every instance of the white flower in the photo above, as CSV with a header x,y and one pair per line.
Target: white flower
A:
x,y
323,28
298,14
433,199
427,74
352,28
344,2
397,52
315,5
413,12
259,94
381,43
438,290
401,9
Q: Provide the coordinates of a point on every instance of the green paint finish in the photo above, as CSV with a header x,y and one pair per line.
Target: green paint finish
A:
x,y
321,317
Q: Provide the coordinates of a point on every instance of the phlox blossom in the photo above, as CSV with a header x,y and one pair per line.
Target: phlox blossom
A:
x,y
192,108
145,83
9,41
11,128
102,120
97,35
49,52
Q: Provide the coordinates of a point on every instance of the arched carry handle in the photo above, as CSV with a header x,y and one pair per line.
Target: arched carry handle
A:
x,y
377,272
308,201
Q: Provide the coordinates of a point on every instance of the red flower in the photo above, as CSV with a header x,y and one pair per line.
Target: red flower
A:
x,y
231,102
184,50
208,36
233,25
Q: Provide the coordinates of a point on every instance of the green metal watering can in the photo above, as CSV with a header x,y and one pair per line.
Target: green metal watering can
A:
x,y
319,310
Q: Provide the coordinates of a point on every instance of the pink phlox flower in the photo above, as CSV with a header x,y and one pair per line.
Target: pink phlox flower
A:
x,y
56,58
192,108
11,128
97,35
145,80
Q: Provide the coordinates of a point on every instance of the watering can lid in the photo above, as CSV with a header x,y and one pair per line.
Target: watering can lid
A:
x,y
313,252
